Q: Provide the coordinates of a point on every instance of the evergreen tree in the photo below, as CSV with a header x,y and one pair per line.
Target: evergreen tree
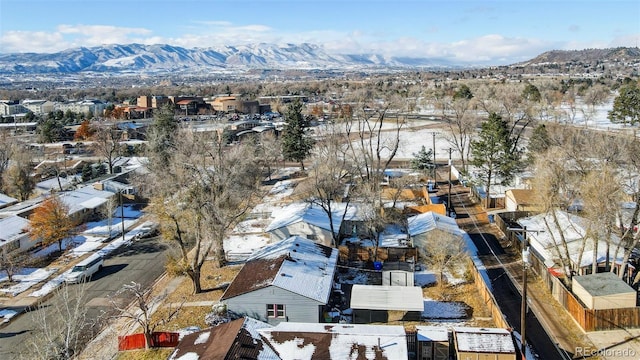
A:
x,y
531,93
87,172
626,106
296,144
161,136
492,152
539,142
463,93
422,160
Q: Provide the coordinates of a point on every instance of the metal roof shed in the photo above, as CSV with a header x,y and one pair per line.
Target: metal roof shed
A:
x,y
371,303
603,291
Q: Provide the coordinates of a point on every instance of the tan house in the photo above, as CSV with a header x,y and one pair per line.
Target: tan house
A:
x,y
521,200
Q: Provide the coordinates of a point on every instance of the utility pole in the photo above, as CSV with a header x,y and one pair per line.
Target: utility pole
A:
x,y
523,307
121,213
449,197
434,157
526,261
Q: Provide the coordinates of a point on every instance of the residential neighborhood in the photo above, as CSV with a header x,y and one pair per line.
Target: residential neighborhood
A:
x,y
367,212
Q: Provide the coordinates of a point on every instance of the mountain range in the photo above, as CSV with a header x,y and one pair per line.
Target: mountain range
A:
x,y
150,59
168,58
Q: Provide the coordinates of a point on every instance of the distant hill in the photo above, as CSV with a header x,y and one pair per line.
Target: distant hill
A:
x,y
149,59
620,54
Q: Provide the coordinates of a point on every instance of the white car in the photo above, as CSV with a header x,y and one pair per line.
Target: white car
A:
x,y
85,269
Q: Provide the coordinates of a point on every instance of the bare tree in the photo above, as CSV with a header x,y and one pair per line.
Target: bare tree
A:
x,y
12,262
205,191
61,325
446,253
17,180
107,210
329,180
106,144
145,306
462,124
7,151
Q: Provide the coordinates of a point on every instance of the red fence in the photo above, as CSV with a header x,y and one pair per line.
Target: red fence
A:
x,y
158,339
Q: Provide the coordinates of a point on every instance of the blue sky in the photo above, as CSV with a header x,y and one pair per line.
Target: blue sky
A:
x,y
489,31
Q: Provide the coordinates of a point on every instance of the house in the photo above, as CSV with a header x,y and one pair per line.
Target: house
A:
x,y
433,343
521,200
238,339
290,280
337,341
545,238
429,227
310,221
371,303
603,291
483,344
85,202
14,234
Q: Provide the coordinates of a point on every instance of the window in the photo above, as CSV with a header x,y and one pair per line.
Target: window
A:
x,y
275,310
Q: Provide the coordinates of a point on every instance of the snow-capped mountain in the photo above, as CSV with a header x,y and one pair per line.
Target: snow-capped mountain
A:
x,y
168,58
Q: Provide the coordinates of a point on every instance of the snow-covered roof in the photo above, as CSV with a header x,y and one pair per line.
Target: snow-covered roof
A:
x,y
428,221
6,200
337,341
84,198
312,215
383,297
238,339
12,227
296,264
432,333
483,340
544,239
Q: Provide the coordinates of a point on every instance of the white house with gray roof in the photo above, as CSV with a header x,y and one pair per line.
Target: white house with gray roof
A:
x,y
14,234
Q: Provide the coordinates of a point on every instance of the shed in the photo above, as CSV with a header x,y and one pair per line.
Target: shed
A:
x,y
483,344
372,302
603,291
433,343
14,234
521,200
397,273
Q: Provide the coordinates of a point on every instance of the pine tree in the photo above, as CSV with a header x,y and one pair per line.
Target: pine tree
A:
x,y
626,106
422,160
87,172
296,144
492,153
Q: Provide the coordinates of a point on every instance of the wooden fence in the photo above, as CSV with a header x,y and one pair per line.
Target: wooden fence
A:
x,y
488,299
594,320
158,339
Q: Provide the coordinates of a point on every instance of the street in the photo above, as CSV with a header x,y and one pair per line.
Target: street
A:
x,y
143,262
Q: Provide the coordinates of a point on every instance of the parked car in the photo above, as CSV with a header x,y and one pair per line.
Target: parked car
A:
x,y
85,269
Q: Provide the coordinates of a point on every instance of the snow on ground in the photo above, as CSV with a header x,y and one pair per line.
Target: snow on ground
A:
x,y
239,247
444,310
6,315
27,281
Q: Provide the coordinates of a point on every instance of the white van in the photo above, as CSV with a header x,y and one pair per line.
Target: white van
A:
x,y
85,269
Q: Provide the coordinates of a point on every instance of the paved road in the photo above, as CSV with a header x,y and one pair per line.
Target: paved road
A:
x,y
505,292
142,262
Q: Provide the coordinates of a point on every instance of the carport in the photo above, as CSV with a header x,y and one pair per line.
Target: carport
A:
x,y
371,303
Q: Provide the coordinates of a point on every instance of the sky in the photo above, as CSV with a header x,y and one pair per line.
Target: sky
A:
x,y
499,32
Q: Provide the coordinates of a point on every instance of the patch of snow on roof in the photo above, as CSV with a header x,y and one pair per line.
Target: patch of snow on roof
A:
x,y
202,338
311,214
484,340
308,269
391,338
430,220
432,333
188,356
